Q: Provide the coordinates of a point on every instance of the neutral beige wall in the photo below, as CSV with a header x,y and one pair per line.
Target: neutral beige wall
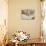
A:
x,y
15,21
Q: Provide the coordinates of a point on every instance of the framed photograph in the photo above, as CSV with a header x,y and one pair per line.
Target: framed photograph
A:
x,y
27,14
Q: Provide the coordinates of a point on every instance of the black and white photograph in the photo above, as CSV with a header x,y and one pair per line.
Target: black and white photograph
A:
x,y
27,14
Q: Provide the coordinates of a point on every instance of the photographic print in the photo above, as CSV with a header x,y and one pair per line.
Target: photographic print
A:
x,y
27,14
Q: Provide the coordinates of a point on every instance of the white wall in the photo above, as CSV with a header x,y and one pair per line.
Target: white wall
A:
x,y
15,22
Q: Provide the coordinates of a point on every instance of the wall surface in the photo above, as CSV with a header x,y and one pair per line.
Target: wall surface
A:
x,y
15,21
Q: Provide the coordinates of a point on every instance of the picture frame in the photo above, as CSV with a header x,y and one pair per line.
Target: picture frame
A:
x,y
27,14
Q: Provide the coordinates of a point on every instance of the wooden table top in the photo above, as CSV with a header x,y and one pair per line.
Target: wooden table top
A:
x,y
33,41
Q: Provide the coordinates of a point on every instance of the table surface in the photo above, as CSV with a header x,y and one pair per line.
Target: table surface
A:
x,y
32,41
36,41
